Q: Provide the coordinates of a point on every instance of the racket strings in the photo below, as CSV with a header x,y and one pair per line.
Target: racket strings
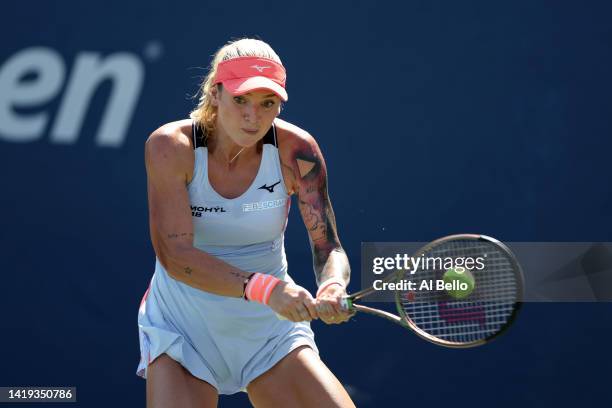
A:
x,y
484,313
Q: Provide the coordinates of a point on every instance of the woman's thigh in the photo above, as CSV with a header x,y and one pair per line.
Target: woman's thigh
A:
x,y
169,384
300,379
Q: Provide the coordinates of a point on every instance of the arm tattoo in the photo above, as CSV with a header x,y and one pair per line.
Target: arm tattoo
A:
x,y
188,270
313,221
316,210
179,235
240,274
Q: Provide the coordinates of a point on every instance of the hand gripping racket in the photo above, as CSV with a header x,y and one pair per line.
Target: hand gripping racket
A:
x,y
438,317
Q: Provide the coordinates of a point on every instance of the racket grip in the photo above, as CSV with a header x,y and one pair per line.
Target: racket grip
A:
x,y
346,304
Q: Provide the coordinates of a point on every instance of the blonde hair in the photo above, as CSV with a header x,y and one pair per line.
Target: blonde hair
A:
x,y
205,113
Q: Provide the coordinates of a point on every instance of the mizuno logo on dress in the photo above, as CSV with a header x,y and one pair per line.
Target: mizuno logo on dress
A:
x,y
269,188
197,211
260,68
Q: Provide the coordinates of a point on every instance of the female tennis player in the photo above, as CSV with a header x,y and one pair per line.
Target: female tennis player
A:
x,y
222,314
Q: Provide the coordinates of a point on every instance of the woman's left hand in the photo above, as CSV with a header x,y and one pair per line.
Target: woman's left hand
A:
x,y
328,306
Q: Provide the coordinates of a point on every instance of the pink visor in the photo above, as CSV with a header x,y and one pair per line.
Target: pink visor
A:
x,y
245,74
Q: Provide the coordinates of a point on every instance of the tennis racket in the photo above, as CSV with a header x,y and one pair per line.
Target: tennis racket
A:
x,y
438,317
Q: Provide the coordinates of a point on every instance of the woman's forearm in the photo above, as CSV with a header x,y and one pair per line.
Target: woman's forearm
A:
x,y
200,270
334,266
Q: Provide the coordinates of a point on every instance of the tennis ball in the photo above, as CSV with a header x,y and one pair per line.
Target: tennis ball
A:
x,y
458,283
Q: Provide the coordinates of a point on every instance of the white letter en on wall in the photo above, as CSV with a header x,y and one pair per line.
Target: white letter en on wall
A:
x,y
48,69
34,76
127,75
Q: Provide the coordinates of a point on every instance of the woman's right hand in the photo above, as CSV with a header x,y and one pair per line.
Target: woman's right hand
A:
x,y
293,302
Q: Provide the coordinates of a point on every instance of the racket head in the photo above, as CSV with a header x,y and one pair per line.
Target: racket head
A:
x,y
485,314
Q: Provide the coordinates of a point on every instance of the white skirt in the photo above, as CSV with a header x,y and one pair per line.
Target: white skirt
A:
x,y
227,342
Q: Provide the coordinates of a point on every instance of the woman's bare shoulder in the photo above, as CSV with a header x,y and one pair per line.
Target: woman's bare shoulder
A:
x,y
290,135
170,146
293,138
176,133
298,150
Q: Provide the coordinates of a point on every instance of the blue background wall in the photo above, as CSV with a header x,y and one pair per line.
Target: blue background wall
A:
x,y
434,118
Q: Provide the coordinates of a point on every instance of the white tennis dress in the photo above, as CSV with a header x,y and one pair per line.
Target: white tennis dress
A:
x,y
227,342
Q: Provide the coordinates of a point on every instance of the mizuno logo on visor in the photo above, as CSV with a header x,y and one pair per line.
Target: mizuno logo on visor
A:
x,y
260,68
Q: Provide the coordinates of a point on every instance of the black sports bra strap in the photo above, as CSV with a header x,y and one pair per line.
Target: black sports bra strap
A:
x,y
198,136
270,137
199,139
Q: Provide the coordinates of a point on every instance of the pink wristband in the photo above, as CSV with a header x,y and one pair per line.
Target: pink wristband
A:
x,y
260,286
328,283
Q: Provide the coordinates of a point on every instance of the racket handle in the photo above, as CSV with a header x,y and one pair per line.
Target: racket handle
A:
x,y
347,304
